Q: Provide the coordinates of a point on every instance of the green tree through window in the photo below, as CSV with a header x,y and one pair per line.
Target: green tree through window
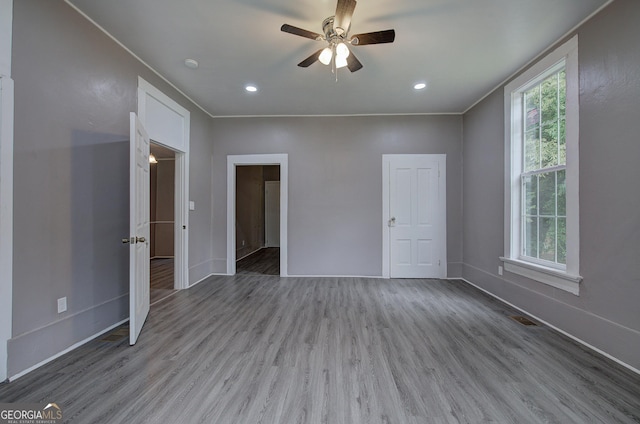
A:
x,y
544,168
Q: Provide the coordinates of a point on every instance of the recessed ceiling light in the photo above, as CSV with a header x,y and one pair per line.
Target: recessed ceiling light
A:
x,y
191,63
419,86
251,88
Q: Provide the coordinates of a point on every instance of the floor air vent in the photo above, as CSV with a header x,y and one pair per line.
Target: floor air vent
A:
x,y
522,320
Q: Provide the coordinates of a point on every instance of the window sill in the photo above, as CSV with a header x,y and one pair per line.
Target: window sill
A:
x,y
552,277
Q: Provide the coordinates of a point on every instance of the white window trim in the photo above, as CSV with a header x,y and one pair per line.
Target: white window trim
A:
x,y
565,279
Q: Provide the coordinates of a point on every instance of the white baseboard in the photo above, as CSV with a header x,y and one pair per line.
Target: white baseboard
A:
x,y
201,280
67,350
335,276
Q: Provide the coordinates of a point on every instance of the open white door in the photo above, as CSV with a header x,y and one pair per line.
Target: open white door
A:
x,y
417,216
139,198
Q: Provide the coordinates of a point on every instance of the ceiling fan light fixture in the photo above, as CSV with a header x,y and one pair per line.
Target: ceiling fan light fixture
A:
x,y
336,33
152,158
342,50
325,56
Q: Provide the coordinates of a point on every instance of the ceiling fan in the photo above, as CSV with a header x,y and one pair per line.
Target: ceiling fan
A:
x,y
336,34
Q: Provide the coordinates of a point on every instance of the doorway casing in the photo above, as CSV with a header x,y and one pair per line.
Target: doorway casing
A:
x,y
168,124
266,159
441,245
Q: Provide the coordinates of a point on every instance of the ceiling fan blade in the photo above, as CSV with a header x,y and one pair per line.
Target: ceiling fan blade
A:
x,y
353,63
310,60
301,32
377,37
344,12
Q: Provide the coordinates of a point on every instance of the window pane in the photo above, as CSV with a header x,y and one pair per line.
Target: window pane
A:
x,y
547,184
530,236
550,118
532,108
549,145
562,193
530,191
562,93
562,108
531,150
547,239
549,99
562,145
562,240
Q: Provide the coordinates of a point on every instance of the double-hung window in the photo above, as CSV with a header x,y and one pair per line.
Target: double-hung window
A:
x,y
541,190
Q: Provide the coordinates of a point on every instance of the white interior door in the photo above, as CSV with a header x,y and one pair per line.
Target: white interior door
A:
x,y
272,213
139,297
417,216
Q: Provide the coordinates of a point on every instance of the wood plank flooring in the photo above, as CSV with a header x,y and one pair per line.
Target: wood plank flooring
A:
x,y
265,261
161,277
255,349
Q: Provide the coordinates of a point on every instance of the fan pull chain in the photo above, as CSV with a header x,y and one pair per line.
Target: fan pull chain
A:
x,y
334,69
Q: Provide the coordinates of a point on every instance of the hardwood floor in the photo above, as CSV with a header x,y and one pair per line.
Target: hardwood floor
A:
x,y
161,277
265,261
256,349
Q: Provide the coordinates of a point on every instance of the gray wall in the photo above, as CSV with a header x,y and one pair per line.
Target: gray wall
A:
x,y
74,89
606,314
335,183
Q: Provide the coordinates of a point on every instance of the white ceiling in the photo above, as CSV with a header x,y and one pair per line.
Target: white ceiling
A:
x,y
462,49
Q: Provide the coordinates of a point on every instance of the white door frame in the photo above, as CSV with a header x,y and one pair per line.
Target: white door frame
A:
x,y
386,239
6,184
168,125
267,159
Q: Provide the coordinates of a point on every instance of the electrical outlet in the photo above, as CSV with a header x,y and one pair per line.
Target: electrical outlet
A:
x,y
500,269
62,305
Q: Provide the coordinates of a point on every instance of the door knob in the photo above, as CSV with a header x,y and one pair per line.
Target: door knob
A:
x,y
392,221
128,240
140,239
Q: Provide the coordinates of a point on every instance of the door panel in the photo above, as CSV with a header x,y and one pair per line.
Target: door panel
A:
x,y
424,197
403,189
425,252
139,198
417,217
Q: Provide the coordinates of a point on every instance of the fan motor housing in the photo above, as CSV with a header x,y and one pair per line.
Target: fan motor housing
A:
x,y
327,28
